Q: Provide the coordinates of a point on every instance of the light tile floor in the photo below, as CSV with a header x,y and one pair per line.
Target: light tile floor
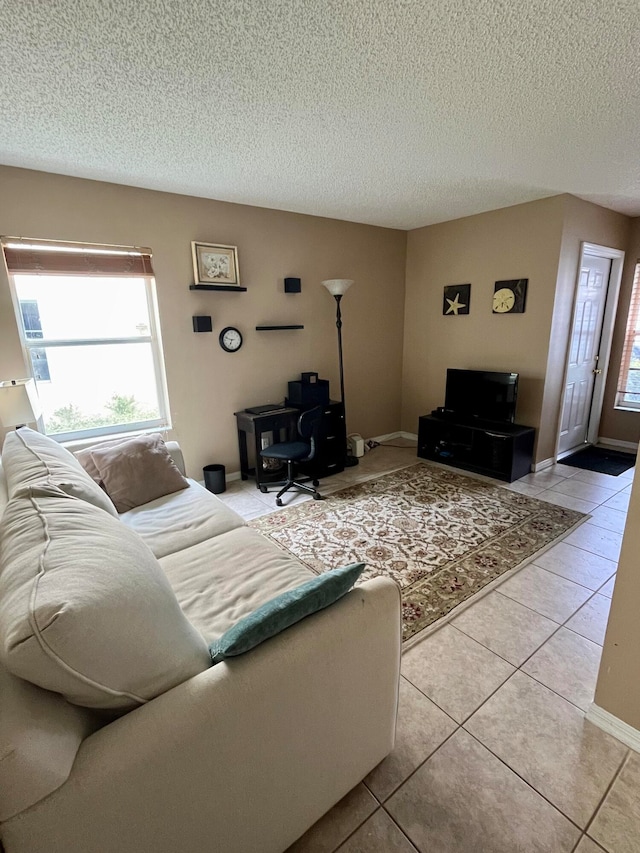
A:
x,y
493,753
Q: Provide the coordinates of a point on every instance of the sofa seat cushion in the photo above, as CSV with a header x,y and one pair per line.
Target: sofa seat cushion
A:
x,y
28,457
85,609
220,581
182,519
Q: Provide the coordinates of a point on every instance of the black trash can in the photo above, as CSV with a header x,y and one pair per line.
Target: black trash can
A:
x,y
214,478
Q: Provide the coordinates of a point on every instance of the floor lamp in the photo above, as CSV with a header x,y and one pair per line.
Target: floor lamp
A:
x,y
337,287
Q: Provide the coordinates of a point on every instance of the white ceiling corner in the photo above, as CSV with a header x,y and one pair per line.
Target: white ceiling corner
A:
x,y
397,113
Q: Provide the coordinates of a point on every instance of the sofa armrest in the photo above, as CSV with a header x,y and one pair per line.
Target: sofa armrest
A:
x,y
244,757
175,452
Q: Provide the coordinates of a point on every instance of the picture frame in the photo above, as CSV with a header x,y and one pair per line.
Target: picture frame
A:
x,y
510,296
215,263
456,300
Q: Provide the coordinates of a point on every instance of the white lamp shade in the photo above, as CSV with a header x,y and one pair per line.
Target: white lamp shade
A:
x,y
19,402
338,286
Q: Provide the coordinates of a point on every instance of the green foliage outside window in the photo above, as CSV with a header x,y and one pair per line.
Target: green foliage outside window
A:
x,y
121,408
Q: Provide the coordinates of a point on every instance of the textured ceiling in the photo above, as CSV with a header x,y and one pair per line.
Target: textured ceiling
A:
x,y
393,112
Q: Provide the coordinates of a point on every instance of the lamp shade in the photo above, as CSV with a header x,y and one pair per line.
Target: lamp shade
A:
x,y
338,286
19,403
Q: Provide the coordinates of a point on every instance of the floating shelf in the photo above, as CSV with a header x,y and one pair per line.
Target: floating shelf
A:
x,y
215,287
275,328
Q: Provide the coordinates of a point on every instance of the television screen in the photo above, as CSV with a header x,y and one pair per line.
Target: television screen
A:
x,y
481,395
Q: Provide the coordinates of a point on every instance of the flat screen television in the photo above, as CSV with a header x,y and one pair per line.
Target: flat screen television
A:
x,y
481,395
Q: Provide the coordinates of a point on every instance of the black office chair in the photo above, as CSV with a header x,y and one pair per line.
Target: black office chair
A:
x,y
297,451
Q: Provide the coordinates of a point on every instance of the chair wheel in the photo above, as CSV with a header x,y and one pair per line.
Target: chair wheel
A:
x,y
278,502
263,489
317,496
315,482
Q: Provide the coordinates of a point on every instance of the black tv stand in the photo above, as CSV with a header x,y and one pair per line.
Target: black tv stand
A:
x,y
500,450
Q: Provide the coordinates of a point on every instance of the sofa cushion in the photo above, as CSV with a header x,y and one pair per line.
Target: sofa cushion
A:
x,y
285,610
137,471
220,581
85,609
85,458
182,519
29,457
40,735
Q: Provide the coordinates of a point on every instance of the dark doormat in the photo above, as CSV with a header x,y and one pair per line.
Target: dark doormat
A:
x,y
601,459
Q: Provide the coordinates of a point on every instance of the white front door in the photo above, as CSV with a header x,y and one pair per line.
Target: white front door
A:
x,y
583,366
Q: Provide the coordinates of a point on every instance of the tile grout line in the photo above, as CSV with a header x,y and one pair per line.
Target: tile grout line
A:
x,y
526,660
380,808
616,775
526,782
386,799
405,834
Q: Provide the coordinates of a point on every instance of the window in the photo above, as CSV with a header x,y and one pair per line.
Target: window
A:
x,y
88,322
628,396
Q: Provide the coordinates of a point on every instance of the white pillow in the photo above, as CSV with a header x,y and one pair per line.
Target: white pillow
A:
x,y
85,609
29,457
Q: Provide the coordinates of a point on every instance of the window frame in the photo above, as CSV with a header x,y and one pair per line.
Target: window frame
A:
x,y
631,337
154,339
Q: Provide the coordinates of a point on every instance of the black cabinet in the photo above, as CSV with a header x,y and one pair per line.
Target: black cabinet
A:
x,y
503,451
332,442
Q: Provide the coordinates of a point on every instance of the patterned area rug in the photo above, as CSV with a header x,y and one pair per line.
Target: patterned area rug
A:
x,y
441,536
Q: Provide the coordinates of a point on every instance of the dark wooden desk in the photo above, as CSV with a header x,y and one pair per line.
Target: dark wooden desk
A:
x,y
282,423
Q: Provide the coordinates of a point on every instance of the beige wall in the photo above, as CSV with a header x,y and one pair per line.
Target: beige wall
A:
x,y
206,385
618,689
515,242
589,223
540,241
615,423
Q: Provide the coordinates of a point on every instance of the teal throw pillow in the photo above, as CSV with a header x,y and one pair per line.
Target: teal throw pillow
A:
x,y
285,610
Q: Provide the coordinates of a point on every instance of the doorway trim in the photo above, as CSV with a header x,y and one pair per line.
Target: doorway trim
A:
x,y
616,256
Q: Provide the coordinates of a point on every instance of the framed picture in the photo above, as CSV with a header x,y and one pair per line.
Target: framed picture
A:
x,y
215,264
510,297
457,298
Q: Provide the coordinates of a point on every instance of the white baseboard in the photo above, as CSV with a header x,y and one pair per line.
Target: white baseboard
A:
x,y
387,437
410,436
546,463
632,446
614,726
390,435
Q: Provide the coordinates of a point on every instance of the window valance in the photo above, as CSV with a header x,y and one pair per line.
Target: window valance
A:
x,y
49,257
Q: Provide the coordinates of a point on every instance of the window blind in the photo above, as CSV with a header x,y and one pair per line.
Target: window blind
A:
x,y
48,257
632,333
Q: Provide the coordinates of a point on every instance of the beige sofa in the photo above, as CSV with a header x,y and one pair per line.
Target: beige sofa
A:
x,y
241,756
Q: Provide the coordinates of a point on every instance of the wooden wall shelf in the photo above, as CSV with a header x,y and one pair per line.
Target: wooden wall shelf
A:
x,y
275,328
228,287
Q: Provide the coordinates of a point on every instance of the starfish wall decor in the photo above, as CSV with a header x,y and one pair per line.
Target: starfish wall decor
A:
x,y
457,298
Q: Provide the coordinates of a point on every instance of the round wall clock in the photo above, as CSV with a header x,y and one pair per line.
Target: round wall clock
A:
x,y
230,339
